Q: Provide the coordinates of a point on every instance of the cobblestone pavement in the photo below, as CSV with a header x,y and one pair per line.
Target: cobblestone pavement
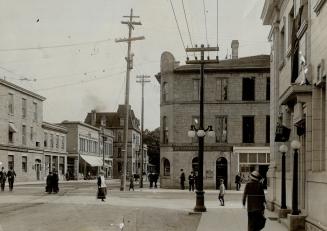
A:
x,y
75,208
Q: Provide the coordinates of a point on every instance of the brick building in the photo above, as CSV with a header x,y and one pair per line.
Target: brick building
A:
x,y
21,134
115,122
236,104
55,149
298,101
83,158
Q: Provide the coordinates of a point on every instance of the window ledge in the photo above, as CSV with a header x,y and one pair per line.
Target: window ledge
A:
x,y
318,6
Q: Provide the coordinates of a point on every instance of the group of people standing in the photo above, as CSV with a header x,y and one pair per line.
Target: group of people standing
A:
x,y
191,180
52,182
153,179
10,175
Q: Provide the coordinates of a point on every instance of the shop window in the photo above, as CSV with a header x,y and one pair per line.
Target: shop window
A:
x,y
11,163
166,167
243,157
24,163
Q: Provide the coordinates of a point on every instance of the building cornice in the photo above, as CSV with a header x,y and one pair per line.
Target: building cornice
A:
x,y
22,90
54,127
20,149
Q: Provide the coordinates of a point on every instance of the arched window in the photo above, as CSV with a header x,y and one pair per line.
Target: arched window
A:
x,y
166,168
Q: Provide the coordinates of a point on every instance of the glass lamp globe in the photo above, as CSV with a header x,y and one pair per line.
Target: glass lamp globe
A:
x,y
191,133
283,148
211,133
295,144
201,133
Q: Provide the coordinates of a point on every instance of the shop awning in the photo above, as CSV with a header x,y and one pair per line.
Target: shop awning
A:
x,y
94,161
12,127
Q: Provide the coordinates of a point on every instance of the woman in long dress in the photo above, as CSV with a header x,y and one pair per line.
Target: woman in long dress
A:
x,y
102,187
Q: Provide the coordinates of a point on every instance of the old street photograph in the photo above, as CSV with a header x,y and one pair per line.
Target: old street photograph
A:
x,y
163,115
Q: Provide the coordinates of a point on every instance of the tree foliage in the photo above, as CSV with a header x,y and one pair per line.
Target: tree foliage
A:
x,y
152,140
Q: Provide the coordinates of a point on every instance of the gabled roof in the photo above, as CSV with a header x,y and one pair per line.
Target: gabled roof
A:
x,y
113,118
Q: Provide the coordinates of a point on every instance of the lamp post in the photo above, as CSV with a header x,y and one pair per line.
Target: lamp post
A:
x,y
295,144
200,133
283,149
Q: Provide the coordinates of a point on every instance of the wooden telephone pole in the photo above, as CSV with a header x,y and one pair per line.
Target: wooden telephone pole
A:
x,y
200,207
129,60
142,81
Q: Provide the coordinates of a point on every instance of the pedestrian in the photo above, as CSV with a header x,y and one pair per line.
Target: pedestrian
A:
x,y
155,179
151,179
55,182
11,178
254,194
221,193
49,186
3,177
191,182
182,179
131,183
238,181
102,187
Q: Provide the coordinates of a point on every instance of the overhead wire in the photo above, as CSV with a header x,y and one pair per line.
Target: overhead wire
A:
x,y
80,82
188,28
179,31
53,46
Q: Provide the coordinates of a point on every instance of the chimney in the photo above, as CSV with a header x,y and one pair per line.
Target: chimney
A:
x,y
234,47
93,117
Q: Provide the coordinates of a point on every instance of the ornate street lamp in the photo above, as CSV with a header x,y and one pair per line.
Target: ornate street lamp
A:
x,y
295,144
200,133
283,149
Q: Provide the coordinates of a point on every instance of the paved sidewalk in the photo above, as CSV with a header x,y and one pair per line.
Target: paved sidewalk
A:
x,y
233,219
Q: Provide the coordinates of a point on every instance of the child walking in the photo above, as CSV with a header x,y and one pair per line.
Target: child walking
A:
x,y
221,192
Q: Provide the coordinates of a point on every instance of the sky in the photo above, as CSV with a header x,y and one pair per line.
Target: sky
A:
x,y
65,50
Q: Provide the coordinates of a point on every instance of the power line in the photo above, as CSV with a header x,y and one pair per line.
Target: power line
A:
x,y
79,82
179,31
205,20
52,46
188,29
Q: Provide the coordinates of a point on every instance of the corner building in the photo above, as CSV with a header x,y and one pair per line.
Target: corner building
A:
x,y
236,104
298,101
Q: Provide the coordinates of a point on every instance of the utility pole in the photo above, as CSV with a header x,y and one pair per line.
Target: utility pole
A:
x,y
200,207
129,60
142,81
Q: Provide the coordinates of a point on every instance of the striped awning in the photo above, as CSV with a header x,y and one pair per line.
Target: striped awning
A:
x,y
94,161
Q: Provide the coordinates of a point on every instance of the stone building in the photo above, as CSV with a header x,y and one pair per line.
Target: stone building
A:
x,y
21,134
55,149
84,159
115,122
298,101
236,105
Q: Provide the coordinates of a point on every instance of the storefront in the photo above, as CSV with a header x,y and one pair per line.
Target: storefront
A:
x,y
253,158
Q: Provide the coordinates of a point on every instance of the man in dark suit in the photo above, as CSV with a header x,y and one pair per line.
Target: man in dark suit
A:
x,y
255,196
182,179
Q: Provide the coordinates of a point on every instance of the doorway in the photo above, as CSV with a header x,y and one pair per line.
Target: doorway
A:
x,y
221,171
38,169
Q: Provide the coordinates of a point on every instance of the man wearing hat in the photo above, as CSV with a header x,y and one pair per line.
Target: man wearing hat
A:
x,y
255,197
